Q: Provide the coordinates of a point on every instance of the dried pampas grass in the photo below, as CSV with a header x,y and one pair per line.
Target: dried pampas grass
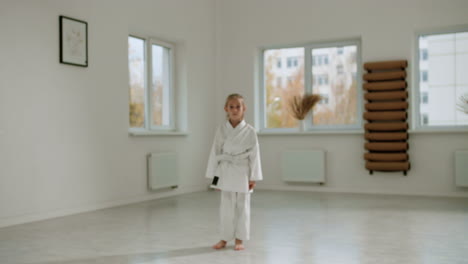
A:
x,y
302,104
463,104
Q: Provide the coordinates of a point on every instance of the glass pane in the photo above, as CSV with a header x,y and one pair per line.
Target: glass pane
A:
x,y
336,82
160,100
136,67
281,84
442,76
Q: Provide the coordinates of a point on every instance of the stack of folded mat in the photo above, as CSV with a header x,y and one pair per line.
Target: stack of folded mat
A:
x,y
386,116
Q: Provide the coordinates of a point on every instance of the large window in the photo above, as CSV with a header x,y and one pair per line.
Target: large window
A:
x,y
150,64
329,69
442,69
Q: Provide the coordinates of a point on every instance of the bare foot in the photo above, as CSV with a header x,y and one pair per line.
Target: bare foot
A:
x,y
221,244
239,245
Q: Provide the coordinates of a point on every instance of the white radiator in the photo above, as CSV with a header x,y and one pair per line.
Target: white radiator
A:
x,y
162,170
303,166
461,168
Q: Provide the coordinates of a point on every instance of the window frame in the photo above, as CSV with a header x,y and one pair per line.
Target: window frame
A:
x,y
416,123
308,83
149,127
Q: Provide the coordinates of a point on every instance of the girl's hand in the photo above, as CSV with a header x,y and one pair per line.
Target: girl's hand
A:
x,y
251,185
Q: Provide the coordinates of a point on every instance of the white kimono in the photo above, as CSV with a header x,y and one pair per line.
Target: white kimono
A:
x,y
235,157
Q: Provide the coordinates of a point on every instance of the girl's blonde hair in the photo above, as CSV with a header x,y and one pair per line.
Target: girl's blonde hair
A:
x,y
231,97
234,96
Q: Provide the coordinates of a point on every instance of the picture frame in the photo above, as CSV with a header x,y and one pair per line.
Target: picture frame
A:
x,y
73,41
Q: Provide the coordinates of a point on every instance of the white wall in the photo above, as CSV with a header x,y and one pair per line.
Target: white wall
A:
x,y
387,30
64,143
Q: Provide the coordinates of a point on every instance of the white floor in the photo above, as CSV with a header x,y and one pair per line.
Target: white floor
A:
x,y
287,227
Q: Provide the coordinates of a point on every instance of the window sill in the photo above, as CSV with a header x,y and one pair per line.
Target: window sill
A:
x,y
354,132
158,133
308,133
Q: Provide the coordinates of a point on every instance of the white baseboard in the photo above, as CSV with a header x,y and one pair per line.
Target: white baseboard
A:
x,y
336,190
27,218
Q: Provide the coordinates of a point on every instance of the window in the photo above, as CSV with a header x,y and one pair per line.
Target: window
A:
x,y
325,79
442,75
424,76
292,62
278,63
424,54
150,65
320,59
339,69
424,97
340,106
324,99
425,118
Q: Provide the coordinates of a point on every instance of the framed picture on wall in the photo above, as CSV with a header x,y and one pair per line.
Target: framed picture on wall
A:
x,y
73,41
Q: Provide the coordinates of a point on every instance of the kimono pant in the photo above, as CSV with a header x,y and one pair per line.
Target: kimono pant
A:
x,y
235,215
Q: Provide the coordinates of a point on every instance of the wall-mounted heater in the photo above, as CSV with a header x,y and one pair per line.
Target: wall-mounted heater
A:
x,y
303,166
162,170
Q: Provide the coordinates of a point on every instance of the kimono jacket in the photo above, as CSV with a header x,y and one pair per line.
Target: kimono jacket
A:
x,y
235,157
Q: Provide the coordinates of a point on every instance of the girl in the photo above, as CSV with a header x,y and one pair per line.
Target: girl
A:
x,y
235,160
